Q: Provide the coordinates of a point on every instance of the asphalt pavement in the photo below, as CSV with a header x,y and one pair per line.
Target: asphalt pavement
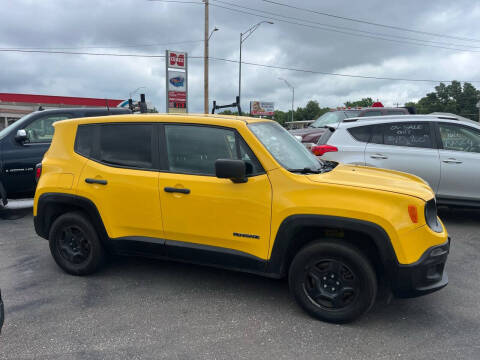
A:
x,y
151,309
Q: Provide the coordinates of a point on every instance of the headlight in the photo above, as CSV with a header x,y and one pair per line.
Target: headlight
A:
x,y
431,216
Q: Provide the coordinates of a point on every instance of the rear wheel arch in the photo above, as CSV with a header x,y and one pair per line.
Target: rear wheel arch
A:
x,y
298,231
53,205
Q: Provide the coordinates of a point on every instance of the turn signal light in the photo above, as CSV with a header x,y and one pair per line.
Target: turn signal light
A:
x,y
412,211
319,150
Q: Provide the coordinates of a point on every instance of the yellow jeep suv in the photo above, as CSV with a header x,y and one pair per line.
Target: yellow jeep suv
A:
x,y
238,193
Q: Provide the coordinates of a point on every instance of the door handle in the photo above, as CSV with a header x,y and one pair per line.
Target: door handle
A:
x,y
95,181
452,161
176,190
379,156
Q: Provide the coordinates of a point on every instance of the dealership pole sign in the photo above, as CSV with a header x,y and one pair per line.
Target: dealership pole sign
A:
x,y
176,74
261,108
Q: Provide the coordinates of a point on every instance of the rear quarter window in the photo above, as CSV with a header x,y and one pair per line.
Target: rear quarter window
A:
x,y
84,140
361,133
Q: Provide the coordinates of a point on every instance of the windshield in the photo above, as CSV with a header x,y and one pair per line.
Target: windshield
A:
x,y
7,130
334,117
288,151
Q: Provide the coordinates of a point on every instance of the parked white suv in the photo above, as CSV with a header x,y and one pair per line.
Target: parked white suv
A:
x,y
442,150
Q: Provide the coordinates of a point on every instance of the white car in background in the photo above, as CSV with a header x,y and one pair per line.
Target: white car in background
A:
x,y
442,150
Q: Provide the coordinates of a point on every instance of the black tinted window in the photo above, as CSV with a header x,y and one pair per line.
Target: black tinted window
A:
x,y
395,112
372,113
408,134
127,145
84,140
194,149
361,133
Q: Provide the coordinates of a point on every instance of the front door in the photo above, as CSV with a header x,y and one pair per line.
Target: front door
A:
x,y
460,159
201,209
407,147
20,158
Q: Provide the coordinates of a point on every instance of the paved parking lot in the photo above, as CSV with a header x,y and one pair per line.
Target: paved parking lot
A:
x,y
137,308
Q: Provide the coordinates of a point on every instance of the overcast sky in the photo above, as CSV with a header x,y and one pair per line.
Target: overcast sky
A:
x,y
122,26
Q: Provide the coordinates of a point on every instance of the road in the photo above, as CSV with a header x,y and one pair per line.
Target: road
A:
x,y
151,309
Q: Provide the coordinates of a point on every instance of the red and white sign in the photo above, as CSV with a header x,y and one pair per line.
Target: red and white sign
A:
x,y
177,100
176,59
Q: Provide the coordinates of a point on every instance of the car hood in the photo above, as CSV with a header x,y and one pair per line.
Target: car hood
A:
x,y
377,179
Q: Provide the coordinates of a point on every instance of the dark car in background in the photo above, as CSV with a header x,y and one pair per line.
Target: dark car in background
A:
x,y
23,144
309,136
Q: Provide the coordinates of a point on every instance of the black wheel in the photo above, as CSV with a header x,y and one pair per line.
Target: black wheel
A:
x,y
75,245
333,281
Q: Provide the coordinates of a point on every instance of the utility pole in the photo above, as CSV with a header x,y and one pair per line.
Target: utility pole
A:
x,y
205,63
293,92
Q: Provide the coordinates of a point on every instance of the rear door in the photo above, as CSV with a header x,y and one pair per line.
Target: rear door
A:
x,y
121,178
460,161
405,146
20,158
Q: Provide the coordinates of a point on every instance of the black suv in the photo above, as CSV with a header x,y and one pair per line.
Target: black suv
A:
x,y
23,144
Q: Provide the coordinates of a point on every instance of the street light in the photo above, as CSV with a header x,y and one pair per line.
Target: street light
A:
x,y
135,91
293,92
244,36
205,60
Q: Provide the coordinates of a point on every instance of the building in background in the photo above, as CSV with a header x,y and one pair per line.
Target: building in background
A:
x,y
14,106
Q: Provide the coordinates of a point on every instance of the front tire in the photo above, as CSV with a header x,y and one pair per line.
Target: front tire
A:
x,y
75,245
333,281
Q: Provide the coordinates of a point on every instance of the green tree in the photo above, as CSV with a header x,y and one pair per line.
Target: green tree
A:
x,y
365,102
452,98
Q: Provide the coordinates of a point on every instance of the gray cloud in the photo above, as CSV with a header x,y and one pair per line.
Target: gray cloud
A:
x,y
73,24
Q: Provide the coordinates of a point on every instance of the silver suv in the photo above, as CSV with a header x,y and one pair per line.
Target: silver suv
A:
x,y
442,150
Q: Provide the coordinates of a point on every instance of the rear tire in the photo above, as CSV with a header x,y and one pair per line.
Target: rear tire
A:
x,y
75,244
333,281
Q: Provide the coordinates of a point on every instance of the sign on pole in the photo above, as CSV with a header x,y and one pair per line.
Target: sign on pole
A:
x,y
261,108
176,74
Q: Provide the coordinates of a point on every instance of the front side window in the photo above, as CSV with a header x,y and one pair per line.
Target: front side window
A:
x,y
128,145
288,151
41,130
459,138
193,149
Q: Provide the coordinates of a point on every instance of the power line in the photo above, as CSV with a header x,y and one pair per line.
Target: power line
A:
x,y
278,67
104,47
334,28
343,32
370,22
342,27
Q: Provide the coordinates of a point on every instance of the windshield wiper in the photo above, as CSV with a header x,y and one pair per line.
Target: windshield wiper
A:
x,y
305,170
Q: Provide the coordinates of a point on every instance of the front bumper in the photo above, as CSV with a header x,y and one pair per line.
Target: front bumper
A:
x,y
424,276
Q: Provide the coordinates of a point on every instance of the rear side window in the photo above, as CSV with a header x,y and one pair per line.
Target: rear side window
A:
x,y
408,134
395,112
361,133
372,113
84,140
128,145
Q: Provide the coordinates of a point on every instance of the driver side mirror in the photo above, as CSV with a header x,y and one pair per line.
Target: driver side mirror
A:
x,y
234,170
21,136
